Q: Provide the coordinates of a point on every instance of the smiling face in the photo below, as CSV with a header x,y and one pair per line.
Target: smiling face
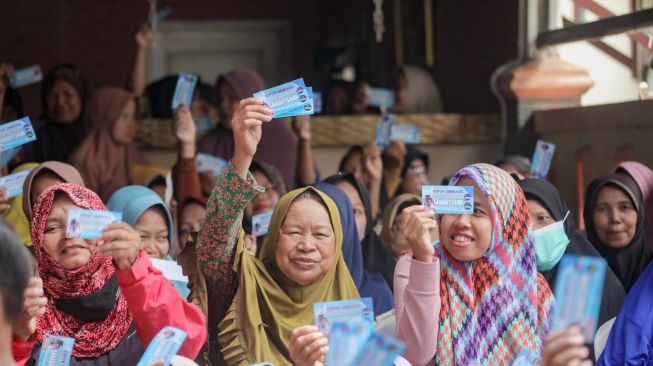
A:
x,y
153,228
467,237
615,217
63,104
69,253
306,243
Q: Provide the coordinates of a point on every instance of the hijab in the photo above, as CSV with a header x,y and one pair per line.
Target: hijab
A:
x,y
376,258
56,141
73,294
368,284
643,176
104,164
267,305
390,214
15,216
547,194
422,94
497,305
66,172
133,201
278,145
627,262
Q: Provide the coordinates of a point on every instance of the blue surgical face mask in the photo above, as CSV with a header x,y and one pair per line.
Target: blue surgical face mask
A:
x,y
550,244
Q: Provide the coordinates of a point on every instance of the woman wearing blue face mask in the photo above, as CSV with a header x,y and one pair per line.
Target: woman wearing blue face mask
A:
x,y
556,235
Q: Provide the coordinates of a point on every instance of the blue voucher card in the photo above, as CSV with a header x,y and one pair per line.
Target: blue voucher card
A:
x,y
379,350
542,158
291,96
526,358
379,97
16,133
13,183
403,132
305,109
55,351
210,163
346,340
358,310
578,293
26,76
449,199
384,130
164,346
88,224
261,223
184,90
317,101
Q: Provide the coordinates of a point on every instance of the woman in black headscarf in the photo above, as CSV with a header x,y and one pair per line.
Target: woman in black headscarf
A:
x,y
546,208
376,258
614,220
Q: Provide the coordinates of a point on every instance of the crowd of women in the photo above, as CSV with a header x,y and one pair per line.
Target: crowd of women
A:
x,y
461,289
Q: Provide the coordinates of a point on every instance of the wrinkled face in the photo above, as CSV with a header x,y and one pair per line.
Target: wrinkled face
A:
x,y
615,217
227,103
415,177
263,201
42,181
357,205
153,228
306,243
63,104
467,237
124,130
354,165
190,220
539,214
69,253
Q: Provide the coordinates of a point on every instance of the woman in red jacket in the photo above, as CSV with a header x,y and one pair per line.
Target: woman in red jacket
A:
x,y
101,292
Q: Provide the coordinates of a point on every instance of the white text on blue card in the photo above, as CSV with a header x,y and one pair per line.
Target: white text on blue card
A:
x,y
16,133
346,340
26,76
164,346
542,158
304,109
409,134
379,97
449,199
327,313
55,351
380,350
13,183
184,90
89,224
285,97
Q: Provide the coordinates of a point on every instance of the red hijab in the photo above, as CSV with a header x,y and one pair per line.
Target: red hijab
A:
x,y
92,339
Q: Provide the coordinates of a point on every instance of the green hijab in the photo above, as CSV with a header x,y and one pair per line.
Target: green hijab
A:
x,y
267,305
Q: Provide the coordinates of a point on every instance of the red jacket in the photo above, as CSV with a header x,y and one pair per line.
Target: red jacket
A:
x,y
154,304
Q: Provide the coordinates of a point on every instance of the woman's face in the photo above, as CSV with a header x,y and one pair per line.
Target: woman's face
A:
x,y
263,201
615,217
69,253
467,237
227,103
415,177
42,181
354,165
539,214
124,130
306,243
190,220
357,205
153,228
63,104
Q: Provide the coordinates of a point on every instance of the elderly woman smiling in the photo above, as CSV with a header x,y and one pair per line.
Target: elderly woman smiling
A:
x,y
257,306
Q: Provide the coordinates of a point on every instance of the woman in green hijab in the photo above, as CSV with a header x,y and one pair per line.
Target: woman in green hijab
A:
x,y
256,303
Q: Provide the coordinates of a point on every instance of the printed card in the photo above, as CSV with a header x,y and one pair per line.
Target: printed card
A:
x,y
55,351
317,101
210,163
542,158
305,109
449,199
406,133
261,223
327,313
346,340
380,350
379,97
26,76
88,224
164,346
184,90
173,272
13,183
578,293
16,133
526,358
285,97
384,130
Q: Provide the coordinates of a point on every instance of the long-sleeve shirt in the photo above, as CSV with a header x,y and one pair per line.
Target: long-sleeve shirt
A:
x,y
417,308
154,304
185,181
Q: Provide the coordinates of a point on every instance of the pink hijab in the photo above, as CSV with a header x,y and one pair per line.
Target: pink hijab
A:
x,y
643,176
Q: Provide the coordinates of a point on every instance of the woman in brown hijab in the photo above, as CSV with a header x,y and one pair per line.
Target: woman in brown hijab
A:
x,y
278,145
106,156
46,175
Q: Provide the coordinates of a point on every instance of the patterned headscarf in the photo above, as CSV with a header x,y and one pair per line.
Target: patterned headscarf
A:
x,y
92,339
497,305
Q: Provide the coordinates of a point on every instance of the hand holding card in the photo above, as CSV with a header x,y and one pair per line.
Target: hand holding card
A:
x,y
307,346
246,125
417,224
122,244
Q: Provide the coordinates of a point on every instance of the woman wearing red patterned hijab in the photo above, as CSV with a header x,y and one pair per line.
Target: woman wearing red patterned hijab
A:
x,y
101,291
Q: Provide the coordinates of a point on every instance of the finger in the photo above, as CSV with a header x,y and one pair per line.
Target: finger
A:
x,y
411,209
567,355
312,342
249,123
301,331
560,342
317,355
251,101
257,115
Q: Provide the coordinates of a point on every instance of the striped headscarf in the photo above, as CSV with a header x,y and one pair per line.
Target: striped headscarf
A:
x,y
497,305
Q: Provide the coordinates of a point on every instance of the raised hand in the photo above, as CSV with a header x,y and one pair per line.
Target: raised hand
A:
x,y
246,125
184,130
123,244
301,125
144,36
417,223
372,161
565,348
34,303
308,346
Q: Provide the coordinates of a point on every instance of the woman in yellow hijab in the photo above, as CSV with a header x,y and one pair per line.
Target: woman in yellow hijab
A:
x,y
256,303
15,215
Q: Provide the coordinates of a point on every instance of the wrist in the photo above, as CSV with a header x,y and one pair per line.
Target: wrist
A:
x,y
423,257
187,150
241,162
